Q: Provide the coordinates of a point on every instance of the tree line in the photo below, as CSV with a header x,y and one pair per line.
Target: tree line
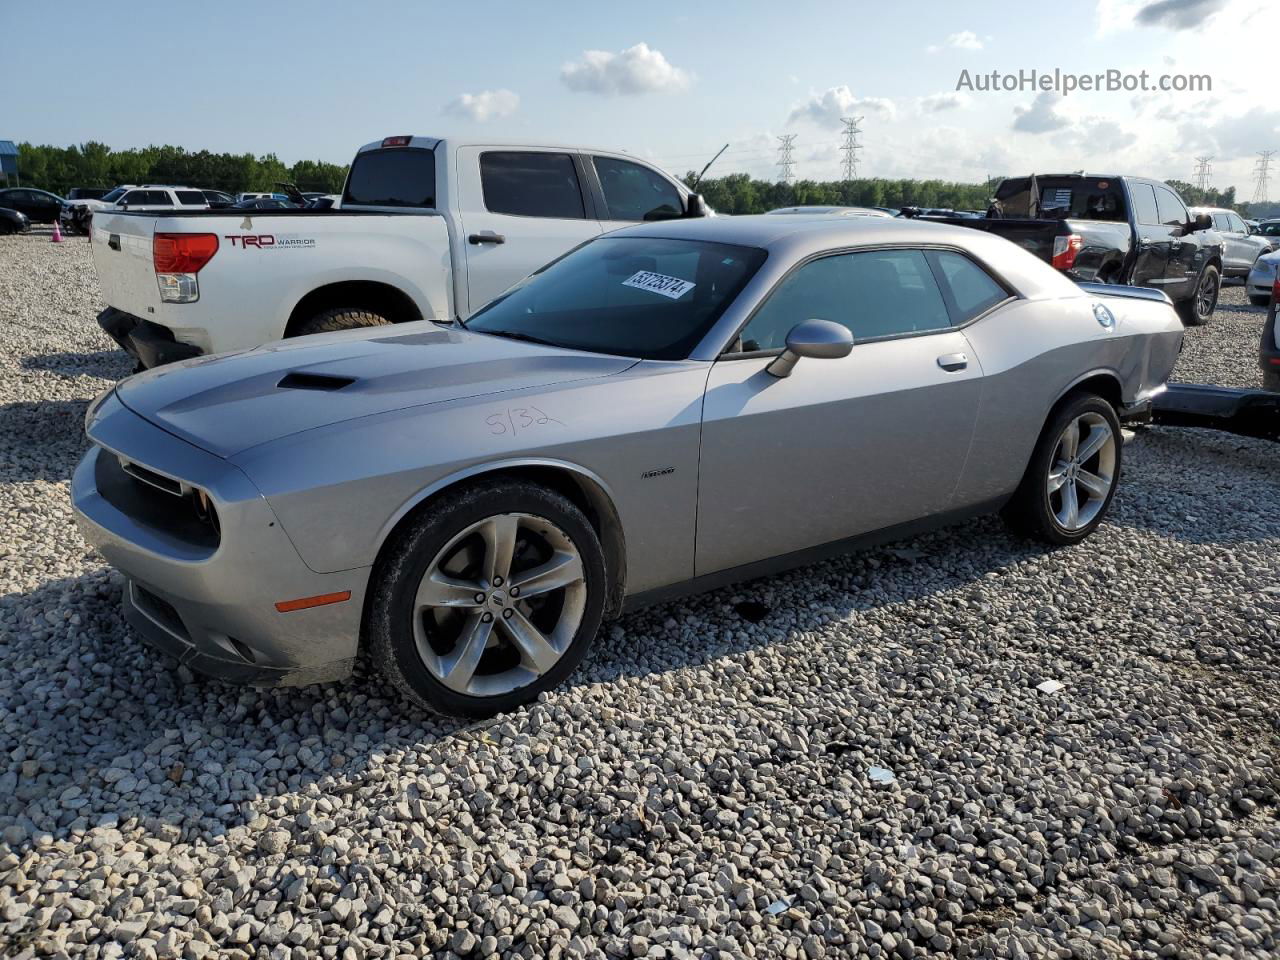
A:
x,y
738,193
93,164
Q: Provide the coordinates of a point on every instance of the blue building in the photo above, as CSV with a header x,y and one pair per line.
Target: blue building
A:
x,y
8,162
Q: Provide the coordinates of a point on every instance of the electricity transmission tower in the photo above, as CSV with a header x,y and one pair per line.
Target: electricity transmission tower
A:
x,y
1262,171
786,159
1203,168
850,146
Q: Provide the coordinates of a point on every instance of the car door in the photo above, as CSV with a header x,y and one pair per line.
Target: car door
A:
x,y
1233,257
1247,243
519,209
1151,258
632,193
1184,249
840,447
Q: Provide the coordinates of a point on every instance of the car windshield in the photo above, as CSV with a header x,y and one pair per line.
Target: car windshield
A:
x,y
633,296
114,195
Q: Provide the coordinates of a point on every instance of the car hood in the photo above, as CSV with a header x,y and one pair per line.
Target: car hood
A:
x,y
228,403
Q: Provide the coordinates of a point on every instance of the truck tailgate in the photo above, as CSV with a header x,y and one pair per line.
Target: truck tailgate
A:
x,y
1035,236
121,247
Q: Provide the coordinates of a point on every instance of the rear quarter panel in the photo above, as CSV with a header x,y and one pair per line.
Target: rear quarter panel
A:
x,y
1033,352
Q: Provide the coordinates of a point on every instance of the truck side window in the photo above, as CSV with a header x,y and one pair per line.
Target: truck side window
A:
x,y
633,192
1172,212
1144,203
529,184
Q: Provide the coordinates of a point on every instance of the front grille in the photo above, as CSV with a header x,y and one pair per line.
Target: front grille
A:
x,y
157,502
160,610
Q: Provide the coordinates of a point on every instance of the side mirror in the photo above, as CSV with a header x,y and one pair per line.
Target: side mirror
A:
x,y
695,206
1201,221
817,339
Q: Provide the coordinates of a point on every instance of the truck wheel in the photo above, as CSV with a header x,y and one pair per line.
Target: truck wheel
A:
x,y
487,599
1260,299
340,318
1073,473
1198,308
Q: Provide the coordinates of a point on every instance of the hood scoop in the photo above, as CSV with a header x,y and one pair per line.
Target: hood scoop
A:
x,y
324,382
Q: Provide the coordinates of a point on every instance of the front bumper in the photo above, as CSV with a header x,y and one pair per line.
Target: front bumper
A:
x,y
149,343
208,599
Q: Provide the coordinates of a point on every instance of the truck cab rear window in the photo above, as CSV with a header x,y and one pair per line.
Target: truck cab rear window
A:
x,y
393,177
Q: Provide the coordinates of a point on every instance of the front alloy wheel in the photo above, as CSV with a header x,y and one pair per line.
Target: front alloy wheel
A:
x,y
488,597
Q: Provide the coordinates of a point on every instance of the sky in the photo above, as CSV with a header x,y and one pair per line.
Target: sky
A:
x,y
672,82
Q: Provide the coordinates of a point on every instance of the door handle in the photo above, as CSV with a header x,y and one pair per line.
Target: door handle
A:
x,y
951,362
1144,243
479,238
114,241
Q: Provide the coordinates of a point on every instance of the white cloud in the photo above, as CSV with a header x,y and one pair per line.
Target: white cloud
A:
x,y
638,69
1040,117
485,105
940,102
826,109
964,40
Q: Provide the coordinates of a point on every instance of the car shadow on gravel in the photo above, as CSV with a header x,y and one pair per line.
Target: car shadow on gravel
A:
x,y
103,364
41,440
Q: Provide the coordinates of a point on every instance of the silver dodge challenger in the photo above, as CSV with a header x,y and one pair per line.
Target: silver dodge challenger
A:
x,y
667,408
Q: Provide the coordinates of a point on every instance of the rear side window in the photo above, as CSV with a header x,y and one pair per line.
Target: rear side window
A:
x,y
1172,212
191,198
973,290
392,177
1144,203
531,185
633,192
154,198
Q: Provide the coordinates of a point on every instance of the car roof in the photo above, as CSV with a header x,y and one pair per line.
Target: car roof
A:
x,y
430,143
797,237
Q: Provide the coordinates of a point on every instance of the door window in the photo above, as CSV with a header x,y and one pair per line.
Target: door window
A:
x,y
191,198
633,192
875,294
1237,225
1172,212
972,289
1144,203
528,184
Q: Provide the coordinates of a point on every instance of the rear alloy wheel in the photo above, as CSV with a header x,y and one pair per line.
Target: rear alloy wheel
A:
x,y
1196,311
489,599
1073,473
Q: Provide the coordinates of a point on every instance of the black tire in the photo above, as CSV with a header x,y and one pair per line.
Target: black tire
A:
x,y
389,624
340,318
1260,299
1196,310
1030,511
7,228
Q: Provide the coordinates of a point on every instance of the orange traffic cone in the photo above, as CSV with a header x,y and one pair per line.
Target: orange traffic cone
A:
x,y
57,232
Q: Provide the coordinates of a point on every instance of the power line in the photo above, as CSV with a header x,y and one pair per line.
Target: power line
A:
x,y
786,159
1203,168
1262,171
850,146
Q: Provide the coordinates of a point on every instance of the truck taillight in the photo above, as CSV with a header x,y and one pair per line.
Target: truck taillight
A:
x,y
178,257
396,141
1275,290
1065,250
182,252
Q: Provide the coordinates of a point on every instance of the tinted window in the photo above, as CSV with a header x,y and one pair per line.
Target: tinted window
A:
x,y
1144,203
1172,212
972,289
880,293
634,296
191,197
394,177
151,198
633,192
1270,229
531,185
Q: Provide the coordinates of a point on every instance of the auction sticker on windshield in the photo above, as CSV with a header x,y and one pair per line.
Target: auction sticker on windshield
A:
x,y
672,287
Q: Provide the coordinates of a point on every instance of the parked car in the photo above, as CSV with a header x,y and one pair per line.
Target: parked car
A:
x,y
13,221
39,206
1269,230
428,229
218,200
666,408
265,203
1261,280
830,211
1108,229
1240,247
76,213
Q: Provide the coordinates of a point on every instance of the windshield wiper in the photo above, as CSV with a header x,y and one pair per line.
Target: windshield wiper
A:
x,y
515,335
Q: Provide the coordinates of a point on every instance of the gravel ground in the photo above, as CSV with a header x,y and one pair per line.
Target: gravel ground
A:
x,y
707,784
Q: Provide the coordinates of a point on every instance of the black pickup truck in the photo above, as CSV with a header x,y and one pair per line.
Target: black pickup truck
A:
x,y
1106,229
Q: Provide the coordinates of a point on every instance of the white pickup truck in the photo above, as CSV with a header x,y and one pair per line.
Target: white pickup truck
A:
x,y
427,229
